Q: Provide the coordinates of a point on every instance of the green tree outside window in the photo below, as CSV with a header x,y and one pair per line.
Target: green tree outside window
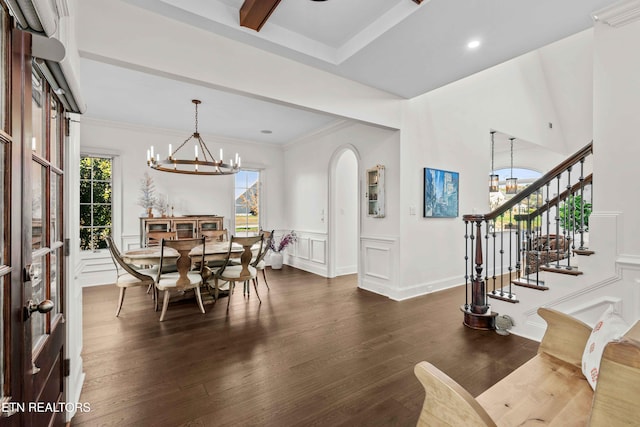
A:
x,y
96,205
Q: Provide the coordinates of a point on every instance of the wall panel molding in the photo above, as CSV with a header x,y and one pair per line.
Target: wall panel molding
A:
x,y
309,253
379,260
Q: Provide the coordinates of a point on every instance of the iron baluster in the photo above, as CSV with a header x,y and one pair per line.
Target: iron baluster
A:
x,y
466,265
582,204
558,225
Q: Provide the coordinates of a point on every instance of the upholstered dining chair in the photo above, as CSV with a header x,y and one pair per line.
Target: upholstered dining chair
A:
x,y
215,235
183,279
243,272
127,276
258,262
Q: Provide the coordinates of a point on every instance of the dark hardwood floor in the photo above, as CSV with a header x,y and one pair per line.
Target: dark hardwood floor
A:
x,y
316,352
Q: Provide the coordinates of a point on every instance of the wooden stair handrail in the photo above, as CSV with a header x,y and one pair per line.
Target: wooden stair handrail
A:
x,y
565,194
535,186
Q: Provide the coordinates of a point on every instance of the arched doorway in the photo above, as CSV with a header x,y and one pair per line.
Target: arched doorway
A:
x,y
344,212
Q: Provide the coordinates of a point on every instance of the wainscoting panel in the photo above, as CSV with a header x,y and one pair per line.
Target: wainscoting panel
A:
x,y
309,252
97,268
379,261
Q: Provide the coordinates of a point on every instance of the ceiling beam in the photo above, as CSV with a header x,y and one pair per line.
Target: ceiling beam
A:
x,y
254,13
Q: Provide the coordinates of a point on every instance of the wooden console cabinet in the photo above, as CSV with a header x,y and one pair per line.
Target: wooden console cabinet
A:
x,y
185,227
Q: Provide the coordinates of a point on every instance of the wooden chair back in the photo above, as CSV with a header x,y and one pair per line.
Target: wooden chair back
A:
x,y
246,257
184,261
266,245
215,235
121,266
154,237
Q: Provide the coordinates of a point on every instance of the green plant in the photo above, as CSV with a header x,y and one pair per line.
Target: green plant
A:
x,y
573,212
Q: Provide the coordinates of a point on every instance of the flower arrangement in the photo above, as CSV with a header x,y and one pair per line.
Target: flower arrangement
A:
x,y
284,241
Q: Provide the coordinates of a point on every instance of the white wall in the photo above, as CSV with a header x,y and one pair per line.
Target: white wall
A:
x,y
204,195
616,126
448,129
346,213
307,188
616,133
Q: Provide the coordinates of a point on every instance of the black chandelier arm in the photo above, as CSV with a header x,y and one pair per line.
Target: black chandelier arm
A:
x,y
205,150
181,145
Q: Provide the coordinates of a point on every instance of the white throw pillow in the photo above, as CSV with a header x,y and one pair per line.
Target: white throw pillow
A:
x,y
608,328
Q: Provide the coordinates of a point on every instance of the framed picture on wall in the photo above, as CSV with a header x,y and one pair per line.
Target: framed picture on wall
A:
x,y
440,193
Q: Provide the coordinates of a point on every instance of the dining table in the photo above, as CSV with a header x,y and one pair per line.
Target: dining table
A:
x,y
213,251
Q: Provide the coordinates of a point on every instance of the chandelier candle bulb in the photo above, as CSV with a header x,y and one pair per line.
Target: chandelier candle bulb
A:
x,y
170,151
221,156
148,156
236,158
152,156
196,150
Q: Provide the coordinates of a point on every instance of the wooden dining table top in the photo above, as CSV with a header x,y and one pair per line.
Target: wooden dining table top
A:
x,y
151,256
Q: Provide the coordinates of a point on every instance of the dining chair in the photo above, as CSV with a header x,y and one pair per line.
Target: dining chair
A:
x,y
258,262
154,237
183,279
127,276
215,235
243,272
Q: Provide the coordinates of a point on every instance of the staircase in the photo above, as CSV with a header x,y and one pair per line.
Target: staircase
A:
x,y
531,250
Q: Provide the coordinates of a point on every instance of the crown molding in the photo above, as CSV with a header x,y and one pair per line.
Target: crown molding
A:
x,y
619,14
173,132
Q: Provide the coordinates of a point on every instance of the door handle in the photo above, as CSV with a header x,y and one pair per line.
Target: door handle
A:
x,y
43,307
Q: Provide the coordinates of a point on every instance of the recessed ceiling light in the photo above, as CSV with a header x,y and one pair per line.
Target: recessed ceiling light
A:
x,y
473,44
267,131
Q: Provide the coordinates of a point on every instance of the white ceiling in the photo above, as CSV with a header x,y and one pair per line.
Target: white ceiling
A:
x,y
166,103
394,45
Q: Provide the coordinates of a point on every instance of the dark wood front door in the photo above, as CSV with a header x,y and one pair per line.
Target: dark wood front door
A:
x,y
33,317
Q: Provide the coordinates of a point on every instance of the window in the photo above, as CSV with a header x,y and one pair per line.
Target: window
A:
x,y
96,205
247,203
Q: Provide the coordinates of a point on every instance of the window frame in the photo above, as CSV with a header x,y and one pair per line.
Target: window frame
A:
x,y
260,186
116,196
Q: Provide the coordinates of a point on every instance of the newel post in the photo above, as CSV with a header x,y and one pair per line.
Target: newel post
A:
x,y
478,290
478,315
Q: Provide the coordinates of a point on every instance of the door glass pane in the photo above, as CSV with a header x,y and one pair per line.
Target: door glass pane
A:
x,y
38,276
55,215
38,233
4,69
54,133
37,98
3,206
54,286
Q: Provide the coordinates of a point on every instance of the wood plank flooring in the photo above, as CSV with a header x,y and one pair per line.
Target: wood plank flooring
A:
x,y
316,352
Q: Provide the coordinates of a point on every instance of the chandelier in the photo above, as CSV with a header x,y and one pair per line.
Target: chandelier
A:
x,y
512,182
494,179
204,165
